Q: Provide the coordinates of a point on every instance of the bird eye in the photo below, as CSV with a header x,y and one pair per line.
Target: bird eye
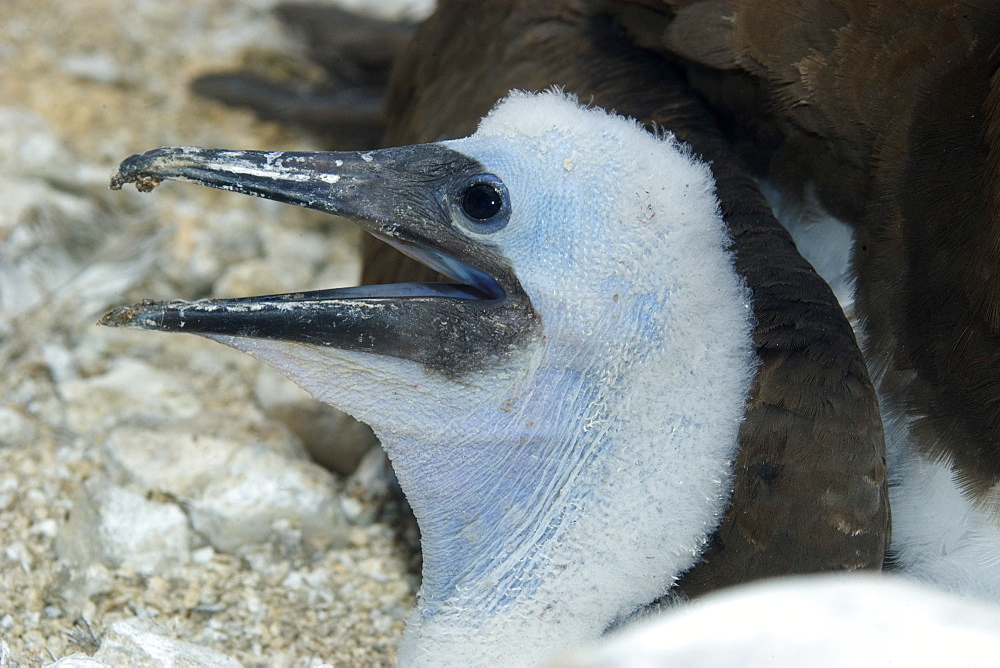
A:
x,y
484,201
481,201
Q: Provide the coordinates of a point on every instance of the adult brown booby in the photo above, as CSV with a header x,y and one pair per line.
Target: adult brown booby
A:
x,y
885,116
564,417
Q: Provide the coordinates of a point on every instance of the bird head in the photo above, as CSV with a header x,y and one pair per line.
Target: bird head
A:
x,y
562,413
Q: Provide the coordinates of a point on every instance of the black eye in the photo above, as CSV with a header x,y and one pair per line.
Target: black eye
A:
x,y
481,201
484,203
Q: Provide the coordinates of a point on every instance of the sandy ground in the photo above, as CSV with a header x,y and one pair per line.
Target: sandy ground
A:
x,y
85,84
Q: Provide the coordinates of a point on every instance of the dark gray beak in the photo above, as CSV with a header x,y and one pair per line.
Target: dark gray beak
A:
x,y
416,198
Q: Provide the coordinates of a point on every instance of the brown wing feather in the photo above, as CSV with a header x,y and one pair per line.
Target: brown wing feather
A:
x,y
890,110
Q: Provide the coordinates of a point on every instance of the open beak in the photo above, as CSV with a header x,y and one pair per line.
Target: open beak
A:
x,y
405,196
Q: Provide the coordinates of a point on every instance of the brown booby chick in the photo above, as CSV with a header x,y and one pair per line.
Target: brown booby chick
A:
x,y
884,116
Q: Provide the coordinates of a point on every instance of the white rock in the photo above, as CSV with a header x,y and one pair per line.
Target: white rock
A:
x,y
342,269
41,248
99,67
243,482
60,361
113,526
15,430
374,474
264,493
78,660
77,585
27,143
129,387
183,457
132,644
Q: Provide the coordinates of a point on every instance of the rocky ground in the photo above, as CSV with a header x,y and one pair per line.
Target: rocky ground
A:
x,y
160,488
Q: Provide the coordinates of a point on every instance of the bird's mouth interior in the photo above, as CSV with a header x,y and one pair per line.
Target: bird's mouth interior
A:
x,y
470,282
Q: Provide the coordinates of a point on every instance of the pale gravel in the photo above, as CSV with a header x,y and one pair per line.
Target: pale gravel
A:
x,y
86,83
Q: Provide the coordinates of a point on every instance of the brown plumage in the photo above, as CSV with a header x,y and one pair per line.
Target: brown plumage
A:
x,y
891,111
